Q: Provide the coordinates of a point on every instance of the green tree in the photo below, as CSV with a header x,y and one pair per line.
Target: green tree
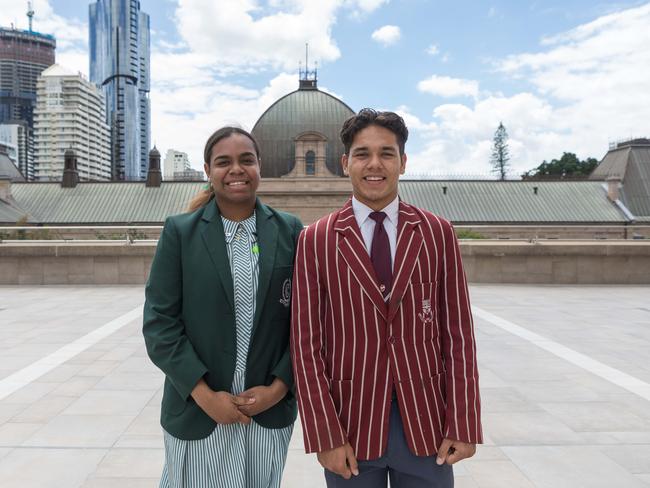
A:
x,y
500,153
568,165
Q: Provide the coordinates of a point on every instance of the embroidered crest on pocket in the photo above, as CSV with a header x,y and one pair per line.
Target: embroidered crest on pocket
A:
x,y
286,293
426,316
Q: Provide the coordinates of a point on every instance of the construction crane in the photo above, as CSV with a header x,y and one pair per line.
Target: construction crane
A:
x,y
30,14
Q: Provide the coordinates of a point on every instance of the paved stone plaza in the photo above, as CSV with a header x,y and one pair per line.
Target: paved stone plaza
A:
x,y
565,383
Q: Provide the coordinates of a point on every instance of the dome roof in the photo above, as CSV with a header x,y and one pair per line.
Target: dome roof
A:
x,y
304,110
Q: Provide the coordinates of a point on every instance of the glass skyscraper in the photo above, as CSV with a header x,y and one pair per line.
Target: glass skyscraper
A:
x,y
119,63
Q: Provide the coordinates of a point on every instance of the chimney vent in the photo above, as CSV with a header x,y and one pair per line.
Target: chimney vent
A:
x,y
613,187
154,176
70,173
5,188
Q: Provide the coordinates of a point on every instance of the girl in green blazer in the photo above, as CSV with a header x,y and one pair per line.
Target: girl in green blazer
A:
x,y
216,322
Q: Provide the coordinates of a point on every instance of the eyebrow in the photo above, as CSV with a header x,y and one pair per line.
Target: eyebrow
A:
x,y
221,157
365,149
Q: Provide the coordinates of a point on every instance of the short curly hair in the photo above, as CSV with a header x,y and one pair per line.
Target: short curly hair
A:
x,y
367,117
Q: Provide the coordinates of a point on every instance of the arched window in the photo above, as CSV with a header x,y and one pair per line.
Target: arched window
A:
x,y
310,163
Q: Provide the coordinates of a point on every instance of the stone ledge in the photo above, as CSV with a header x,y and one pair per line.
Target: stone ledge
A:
x,y
561,262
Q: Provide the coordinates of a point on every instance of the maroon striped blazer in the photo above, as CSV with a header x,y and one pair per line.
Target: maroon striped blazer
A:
x,y
350,347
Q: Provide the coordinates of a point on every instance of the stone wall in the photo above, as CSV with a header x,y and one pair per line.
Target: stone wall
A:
x,y
105,263
555,262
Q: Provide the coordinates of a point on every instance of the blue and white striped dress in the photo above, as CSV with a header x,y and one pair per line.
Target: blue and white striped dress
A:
x,y
235,455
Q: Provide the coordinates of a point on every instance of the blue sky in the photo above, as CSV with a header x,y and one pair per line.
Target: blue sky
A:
x,y
561,75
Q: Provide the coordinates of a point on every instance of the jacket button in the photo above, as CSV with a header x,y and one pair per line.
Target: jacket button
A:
x,y
391,340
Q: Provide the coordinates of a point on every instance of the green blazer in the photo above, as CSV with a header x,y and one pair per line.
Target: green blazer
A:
x,y
189,315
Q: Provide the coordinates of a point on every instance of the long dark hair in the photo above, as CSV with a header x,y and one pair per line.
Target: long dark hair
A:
x,y
204,196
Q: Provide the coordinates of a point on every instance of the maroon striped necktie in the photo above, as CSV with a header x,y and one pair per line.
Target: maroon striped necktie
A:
x,y
380,254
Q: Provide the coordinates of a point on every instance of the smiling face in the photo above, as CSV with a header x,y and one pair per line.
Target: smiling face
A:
x,y
234,172
374,165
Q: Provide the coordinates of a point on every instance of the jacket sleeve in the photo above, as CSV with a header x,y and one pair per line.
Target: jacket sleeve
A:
x,y
283,369
321,426
164,332
463,412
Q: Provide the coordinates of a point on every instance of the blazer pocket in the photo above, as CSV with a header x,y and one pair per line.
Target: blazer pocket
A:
x,y
436,397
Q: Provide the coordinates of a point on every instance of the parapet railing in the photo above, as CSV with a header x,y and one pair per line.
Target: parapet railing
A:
x,y
142,234
78,234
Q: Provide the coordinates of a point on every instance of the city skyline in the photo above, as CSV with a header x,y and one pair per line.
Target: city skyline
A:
x,y
553,74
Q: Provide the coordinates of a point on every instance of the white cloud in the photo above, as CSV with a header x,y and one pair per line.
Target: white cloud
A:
x,y
387,35
231,35
433,50
183,116
447,87
370,5
588,86
238,35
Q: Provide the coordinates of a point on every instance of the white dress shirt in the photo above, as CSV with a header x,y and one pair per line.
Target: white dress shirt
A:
x,y
367,225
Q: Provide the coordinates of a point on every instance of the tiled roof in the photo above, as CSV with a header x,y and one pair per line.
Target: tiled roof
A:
x,y
464,202
513,201
104,203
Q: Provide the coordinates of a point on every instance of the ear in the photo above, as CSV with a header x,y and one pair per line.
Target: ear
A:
x,y
206,168
402,167
344,164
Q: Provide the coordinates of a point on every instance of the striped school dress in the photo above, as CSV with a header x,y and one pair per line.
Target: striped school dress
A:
x,y
235,455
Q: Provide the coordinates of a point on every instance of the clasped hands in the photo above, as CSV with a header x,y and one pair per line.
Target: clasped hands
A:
x,y
342,461
226,408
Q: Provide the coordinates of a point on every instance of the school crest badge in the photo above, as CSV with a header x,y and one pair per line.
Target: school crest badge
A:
x,y
426,316
286,293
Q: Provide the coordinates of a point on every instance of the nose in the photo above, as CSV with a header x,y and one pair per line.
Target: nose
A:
x,y
374,160
235,168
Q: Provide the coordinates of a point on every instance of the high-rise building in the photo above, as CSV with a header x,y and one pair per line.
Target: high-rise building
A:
x,y
17,136
119,63
175,162
23,56
70,114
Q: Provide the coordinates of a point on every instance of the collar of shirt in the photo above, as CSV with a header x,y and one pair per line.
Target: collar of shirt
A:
x,y
362,211
230,227
367,225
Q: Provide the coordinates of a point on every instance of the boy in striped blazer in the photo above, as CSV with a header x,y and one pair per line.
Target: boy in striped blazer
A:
x,y
382,338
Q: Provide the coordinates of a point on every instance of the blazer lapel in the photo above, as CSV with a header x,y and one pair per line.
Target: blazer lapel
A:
x,y
215,242
409,242
267,240
353,250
